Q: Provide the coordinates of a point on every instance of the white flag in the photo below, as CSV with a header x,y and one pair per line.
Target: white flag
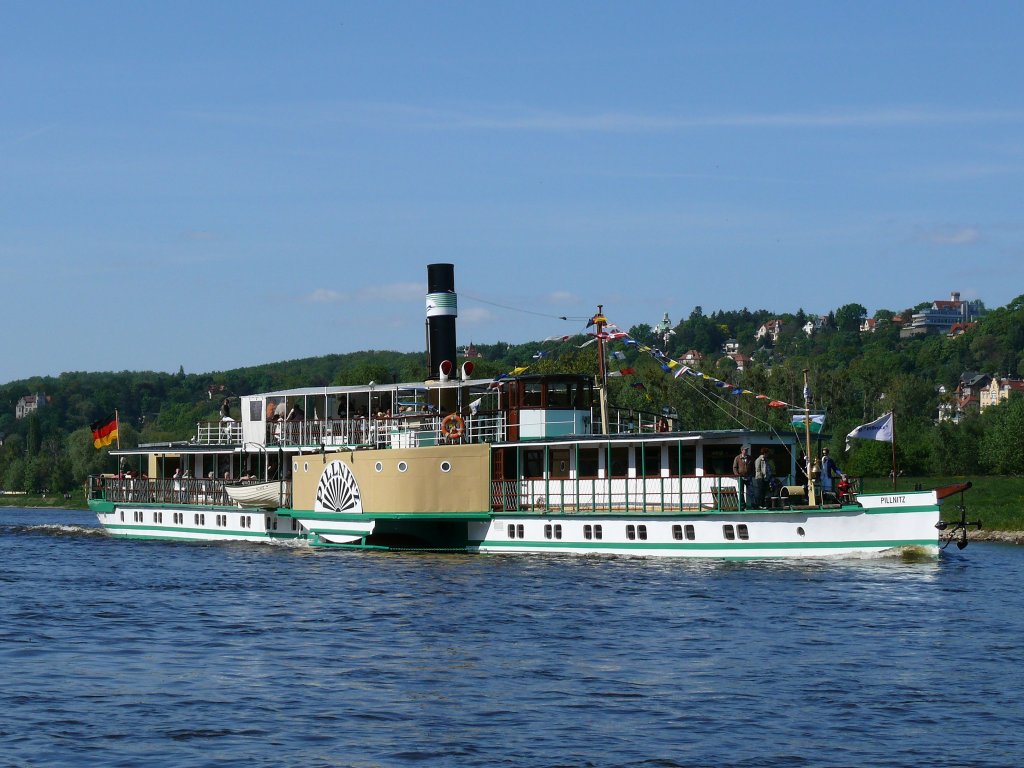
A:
x,y
879,429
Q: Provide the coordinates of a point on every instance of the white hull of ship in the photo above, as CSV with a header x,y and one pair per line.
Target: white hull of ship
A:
x,y
880,525
212,524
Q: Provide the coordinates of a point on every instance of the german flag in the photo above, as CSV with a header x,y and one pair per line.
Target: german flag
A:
x,y
104,431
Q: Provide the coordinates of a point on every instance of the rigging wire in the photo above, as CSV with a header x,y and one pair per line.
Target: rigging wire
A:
x,y
525,311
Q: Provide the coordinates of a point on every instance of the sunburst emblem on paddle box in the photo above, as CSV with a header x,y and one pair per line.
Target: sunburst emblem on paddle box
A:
x,y
338,490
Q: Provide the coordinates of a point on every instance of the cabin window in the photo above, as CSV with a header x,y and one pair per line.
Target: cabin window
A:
x,y
677,532
558,531
532,394
682,460
649,460
641,532
588,532
597,532
631,532
729,532
547,531
295,524
379,466
403,466
689,532
520,531
122,515
586,463
533,462
559,394
511,531
741,532
618,461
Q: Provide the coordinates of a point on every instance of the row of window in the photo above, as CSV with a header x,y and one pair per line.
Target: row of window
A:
x,y
199,518
634,532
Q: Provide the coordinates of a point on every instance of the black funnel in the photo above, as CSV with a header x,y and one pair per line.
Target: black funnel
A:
x,y
442,309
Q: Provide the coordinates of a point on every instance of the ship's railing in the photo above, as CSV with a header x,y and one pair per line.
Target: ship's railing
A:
x,y
651,494
618,495
219,433
405,431
159,491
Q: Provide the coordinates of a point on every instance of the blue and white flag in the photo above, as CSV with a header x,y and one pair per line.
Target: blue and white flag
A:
x,y
880,429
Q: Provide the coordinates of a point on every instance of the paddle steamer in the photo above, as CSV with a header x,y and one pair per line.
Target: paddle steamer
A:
x,y
527,463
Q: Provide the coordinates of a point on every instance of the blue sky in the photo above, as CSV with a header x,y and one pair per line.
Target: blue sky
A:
x,y
215,185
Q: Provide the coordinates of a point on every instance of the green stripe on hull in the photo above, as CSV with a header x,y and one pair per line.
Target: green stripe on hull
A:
x,y
702,547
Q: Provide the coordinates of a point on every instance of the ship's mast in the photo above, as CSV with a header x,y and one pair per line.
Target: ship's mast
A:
x,y
602,368
807,437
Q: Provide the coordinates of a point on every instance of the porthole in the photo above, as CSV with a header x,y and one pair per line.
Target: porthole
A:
x,y
305,466
799,531
379,466
295,466
446,466
403,466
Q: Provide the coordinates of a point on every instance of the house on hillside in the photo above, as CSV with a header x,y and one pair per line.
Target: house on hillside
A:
x,y
28,405
968,391
998,391
470,352
742,361
770,330
868,325
731,346
942,316
959,329
692,358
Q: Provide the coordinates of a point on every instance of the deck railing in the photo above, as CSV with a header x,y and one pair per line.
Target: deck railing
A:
x,y
617,495
653,495
163,490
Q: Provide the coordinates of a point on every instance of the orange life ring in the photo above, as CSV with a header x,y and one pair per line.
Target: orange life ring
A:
x,y
452,426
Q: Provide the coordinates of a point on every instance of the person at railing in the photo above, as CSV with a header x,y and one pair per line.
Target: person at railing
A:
x,y
743,468
662,425
762,479
296,414
225,410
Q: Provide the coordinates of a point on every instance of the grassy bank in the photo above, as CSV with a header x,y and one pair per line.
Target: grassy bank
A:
x,y
77,501
997,501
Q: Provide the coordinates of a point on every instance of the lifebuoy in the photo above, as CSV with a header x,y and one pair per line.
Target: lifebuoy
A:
x,y
452,426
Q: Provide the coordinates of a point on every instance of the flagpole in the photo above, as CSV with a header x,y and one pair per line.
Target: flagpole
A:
x,y
117,428
602,370
894,449
807,436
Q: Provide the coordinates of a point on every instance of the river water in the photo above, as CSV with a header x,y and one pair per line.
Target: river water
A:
x,y
127,653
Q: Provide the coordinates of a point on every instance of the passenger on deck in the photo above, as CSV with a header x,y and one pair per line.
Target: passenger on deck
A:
x,y
225,411
762,479
662,425
296,414
829,472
